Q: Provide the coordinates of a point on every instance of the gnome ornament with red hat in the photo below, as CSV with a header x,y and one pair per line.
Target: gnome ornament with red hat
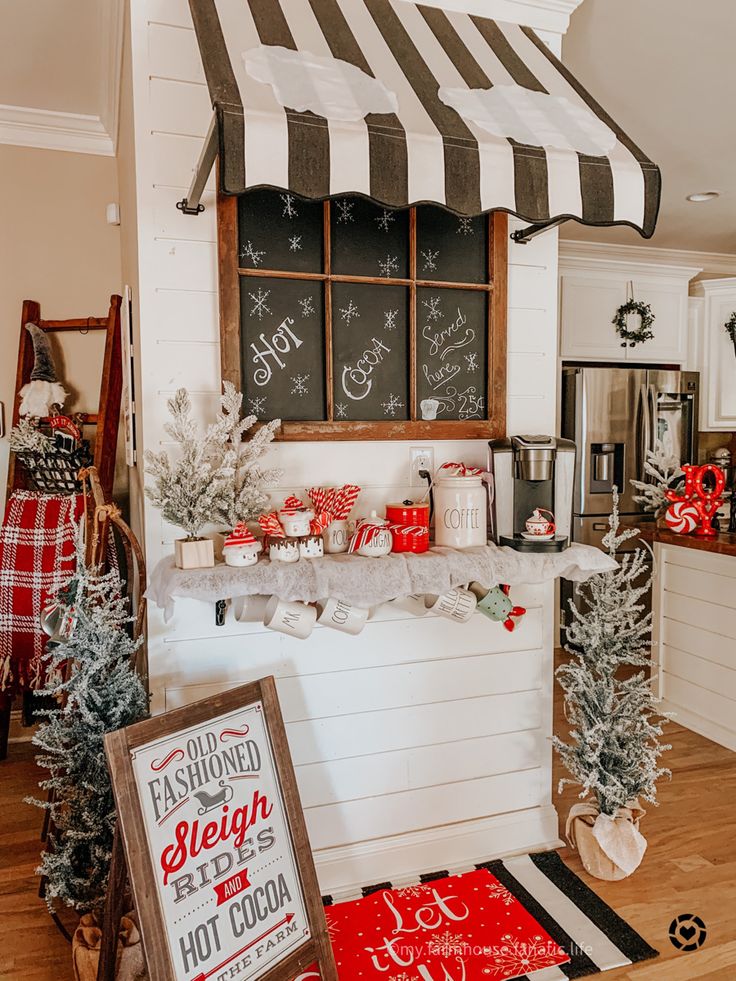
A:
x,y
43,390
241,547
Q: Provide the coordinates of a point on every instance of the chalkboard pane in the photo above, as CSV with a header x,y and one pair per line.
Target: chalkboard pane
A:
x,y
368,240
370,344
452,347
449,248
283,349
279,231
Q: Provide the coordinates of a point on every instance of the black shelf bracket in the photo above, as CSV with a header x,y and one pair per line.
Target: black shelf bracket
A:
x,y
522,236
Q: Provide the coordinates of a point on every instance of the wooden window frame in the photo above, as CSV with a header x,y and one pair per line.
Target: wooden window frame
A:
x,y
230,274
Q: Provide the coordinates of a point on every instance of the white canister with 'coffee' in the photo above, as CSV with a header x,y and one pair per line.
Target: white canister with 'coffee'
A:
x,y
460,507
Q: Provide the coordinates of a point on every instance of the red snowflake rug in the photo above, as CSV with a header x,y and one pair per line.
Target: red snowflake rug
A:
x,y
462,928
527,916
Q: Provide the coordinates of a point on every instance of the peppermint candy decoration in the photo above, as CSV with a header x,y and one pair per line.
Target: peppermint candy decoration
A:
x,y
682,517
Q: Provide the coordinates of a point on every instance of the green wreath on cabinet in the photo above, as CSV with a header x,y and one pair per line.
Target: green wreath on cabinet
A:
x,y
643,332
730,328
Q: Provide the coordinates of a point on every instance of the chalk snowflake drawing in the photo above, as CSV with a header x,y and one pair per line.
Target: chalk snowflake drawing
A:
x,y
392,405
300,386
446,944
345,211
429,260
349,312
514,957
295,243
257,405
307,305
260,307
341,410
250,252
498,891
472,361
389,319
289,206
432,306
465,226
385,219
389,265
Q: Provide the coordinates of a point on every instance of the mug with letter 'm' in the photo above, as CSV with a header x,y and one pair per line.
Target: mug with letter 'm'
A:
x,y
294,619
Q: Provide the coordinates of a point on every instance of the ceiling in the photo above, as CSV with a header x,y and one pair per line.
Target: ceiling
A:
x,y
59,73
666,72
663,68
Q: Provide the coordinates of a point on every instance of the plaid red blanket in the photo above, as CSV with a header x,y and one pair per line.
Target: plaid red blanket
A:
x,y
37,550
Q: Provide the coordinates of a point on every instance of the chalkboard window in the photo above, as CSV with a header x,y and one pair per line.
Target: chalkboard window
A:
x,y
349,320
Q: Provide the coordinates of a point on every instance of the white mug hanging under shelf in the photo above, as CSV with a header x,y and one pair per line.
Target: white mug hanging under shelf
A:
x,y
294,619
456,604
343,616
460,507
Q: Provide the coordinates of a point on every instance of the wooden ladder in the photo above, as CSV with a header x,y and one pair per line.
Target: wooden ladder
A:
x,y
107,418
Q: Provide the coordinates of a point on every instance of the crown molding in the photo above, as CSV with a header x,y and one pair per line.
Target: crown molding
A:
x,y
708,262
708,287
50,130
111,21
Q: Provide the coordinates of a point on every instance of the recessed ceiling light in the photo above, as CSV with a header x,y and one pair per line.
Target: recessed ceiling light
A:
x,y
704,196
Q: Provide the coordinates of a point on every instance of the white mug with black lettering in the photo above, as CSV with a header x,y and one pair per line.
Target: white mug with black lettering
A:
x,y
456,604
460,507
294,619
340,615
337,536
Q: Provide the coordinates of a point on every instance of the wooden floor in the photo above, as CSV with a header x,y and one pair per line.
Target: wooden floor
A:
x,y
690,867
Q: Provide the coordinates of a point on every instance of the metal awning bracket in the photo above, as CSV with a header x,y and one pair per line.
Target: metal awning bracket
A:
x,y
191,204
522,236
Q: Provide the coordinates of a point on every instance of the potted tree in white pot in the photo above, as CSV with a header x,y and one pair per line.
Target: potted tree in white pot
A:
x,y
189,488
615,726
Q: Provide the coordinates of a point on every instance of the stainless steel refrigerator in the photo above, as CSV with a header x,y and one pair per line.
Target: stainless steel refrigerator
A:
x,y
615,415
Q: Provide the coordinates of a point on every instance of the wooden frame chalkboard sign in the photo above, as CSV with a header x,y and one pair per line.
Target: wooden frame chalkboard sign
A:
x,y
216,845
352,321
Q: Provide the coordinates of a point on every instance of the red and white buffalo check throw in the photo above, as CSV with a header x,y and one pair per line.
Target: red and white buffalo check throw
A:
x,y
37,556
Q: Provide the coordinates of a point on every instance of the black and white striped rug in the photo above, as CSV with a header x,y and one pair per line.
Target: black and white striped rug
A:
x,y
589,931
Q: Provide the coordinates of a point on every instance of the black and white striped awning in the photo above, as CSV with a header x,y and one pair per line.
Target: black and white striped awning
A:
x,y
406,104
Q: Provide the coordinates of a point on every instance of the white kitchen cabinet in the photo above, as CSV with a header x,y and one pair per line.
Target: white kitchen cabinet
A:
x,y
592,289
716,354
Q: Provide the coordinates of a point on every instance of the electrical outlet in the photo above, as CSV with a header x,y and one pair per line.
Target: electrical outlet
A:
x,y
420,458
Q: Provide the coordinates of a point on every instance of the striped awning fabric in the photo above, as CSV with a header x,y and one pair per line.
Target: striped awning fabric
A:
x,y
408,103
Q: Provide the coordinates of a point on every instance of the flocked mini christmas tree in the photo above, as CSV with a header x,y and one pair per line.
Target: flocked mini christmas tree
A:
x,y
214,476
189,487
665,473
101,693
615,726
243,496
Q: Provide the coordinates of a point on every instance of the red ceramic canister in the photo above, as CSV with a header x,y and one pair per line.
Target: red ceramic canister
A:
x,y
409,526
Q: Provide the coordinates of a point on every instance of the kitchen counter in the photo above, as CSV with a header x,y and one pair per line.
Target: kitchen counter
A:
x,y
723,544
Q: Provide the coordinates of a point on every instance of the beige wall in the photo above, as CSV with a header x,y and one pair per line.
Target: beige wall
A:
x,y
55,247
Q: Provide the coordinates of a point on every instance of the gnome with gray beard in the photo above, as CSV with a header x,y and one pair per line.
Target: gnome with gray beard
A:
x,y
43,391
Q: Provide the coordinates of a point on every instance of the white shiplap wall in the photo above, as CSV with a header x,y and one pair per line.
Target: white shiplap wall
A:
x,y
418,744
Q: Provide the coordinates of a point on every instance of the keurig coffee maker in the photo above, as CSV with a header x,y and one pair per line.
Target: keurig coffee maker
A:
x,y
533,478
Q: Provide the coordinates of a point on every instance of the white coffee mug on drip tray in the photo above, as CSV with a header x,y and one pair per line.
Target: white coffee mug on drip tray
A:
x,y
340,615
294,619
456,604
